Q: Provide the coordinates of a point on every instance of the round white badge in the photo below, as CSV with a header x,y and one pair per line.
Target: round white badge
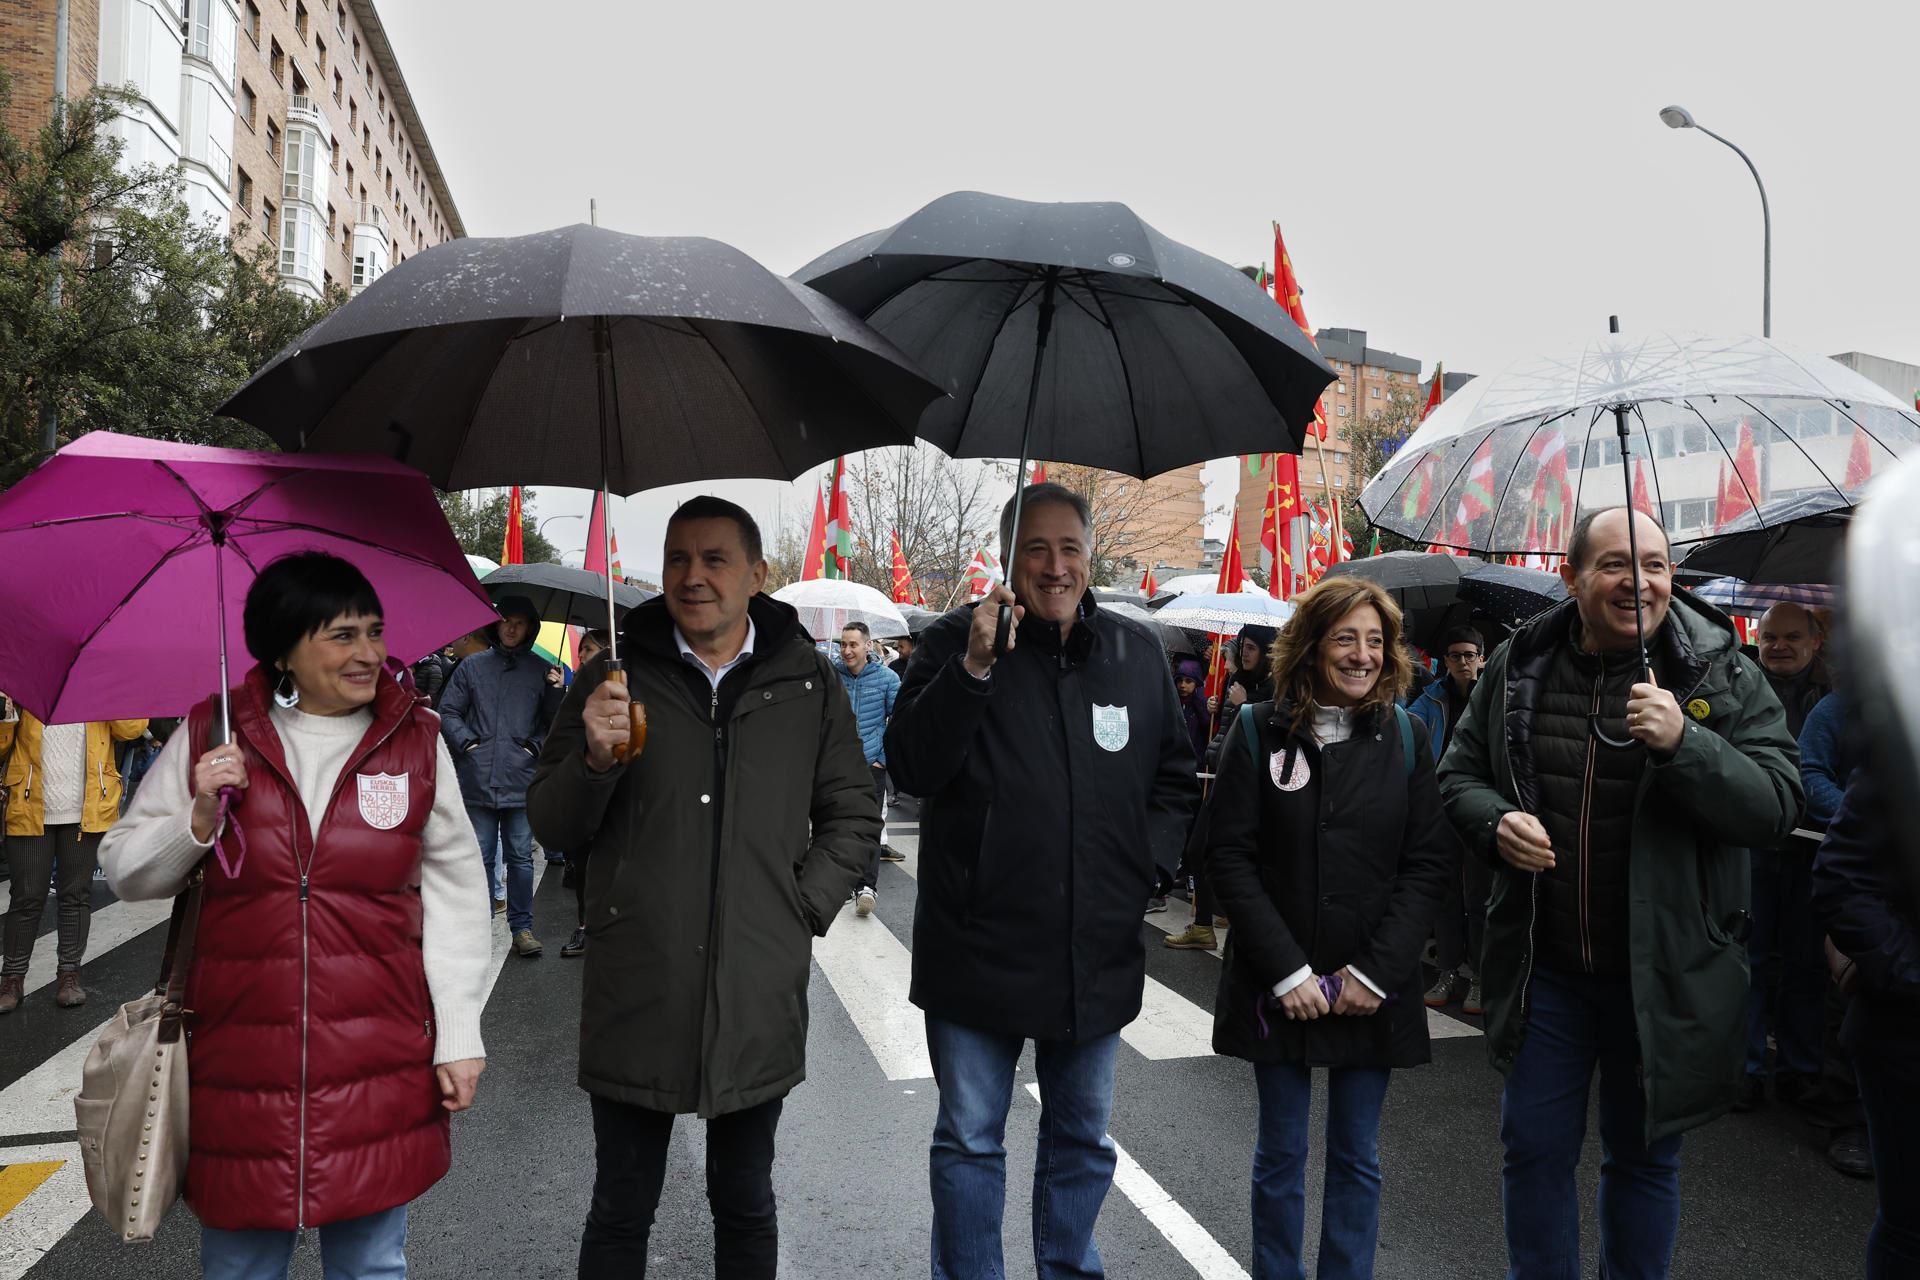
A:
x,y
1295,779
1121,260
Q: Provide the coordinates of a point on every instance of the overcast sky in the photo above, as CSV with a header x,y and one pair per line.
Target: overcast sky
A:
x,y
1468,183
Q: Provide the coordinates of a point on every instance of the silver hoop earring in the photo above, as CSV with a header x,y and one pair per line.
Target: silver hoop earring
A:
x,y
285,693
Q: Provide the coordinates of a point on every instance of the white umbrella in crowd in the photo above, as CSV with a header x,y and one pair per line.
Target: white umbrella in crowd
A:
x,y
829,605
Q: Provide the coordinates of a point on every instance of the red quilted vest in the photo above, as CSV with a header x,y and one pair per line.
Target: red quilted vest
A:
x,y
310,1031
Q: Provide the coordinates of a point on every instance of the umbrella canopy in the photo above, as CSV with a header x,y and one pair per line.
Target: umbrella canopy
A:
x,y
1754,598
478,361
1199,584
1883,636
128,561
1427,589
1078,333
1223,613
481,566
1508,593
828,605
1722,433
1800,548
1178,643
917,619
571,597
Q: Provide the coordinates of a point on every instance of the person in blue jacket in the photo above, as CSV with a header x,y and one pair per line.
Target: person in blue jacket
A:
x,y
1461,922
871,687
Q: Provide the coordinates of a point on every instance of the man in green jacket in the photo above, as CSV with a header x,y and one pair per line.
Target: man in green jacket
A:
x,y
1616,925
719,851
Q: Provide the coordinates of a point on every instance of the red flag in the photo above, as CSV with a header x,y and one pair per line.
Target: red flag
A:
x,y
1743,486
1273,555
1148,587
514,552
1859,462
816,539
839,540
1039,473
596,561
1437,393
902,580
982,573
1642,495
1232,574
1286,291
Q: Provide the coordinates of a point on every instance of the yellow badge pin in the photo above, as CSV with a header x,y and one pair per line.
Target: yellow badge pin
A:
x,y
1699,709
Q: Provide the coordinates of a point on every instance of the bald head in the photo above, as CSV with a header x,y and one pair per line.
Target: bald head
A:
x,y
1600,573
1790,638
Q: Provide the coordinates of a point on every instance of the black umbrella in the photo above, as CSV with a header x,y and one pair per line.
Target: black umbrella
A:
x,y
1508,593
1803,547
1426,587
586,357
573,597
1078,333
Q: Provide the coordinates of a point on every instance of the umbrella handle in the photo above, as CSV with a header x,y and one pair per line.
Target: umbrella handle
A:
x,y
636,742
1604,739
1003,631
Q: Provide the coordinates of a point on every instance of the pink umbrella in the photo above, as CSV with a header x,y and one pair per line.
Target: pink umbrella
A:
x,y
127,559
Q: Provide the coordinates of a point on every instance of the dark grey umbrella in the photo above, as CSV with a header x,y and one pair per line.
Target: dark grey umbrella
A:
x,y
1508,593
574,597
479,362
1426,587
1078,333
1803,547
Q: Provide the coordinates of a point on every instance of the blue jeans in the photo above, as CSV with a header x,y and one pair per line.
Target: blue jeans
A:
x,y
369,1248
509,827
1576,1023
1783,922
967,1163
1350,1201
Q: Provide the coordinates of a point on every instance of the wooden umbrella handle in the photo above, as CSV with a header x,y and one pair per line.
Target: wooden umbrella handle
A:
x,y
636,725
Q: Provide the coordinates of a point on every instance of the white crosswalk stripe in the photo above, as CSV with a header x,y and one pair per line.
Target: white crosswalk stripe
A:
x,y
111,925
870,971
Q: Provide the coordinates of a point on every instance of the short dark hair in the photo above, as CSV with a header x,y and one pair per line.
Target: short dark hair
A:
x,y
1464,635
1039,495
297,595
861,627
708,507
597,636
1583,534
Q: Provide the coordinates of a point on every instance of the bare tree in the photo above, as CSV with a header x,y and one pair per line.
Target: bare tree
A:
x,y
943,509
1129,519
1373,440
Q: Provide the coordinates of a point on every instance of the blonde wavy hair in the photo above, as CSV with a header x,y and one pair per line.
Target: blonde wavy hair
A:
x,y
1315,613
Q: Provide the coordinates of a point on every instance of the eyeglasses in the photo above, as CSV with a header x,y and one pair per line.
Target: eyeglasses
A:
x,y
1465,656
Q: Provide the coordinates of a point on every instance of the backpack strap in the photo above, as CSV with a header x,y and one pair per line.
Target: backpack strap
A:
x,y
1252,732
1406,737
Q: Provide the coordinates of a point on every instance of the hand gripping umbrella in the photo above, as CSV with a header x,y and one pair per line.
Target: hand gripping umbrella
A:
x,y
1078,333
585,357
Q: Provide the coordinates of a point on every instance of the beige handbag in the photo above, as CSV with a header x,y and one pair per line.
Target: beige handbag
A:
x,y
131,1111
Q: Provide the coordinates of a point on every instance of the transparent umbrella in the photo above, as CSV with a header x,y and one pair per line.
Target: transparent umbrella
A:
x,y
829,605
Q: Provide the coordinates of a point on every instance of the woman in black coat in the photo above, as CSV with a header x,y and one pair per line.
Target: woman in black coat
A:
x,y
1330,850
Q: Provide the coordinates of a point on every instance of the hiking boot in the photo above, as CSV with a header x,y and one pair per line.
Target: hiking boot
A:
x,y
1156,904
1848,1153
1472,1003
863,900
1196,937
890,854
1445,989
1221,922
526,945
499,906
13,989
576,945
68,993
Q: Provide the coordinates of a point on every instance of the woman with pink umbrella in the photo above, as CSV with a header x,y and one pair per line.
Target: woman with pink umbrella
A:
x,y
334,1003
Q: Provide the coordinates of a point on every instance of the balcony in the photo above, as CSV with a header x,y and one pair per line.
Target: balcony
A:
x,y
304,109
371,217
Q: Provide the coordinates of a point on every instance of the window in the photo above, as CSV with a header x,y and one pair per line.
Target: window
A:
x,y
349,175
366,141
269,223
339,87
336,155
1341,387
249,105
243,192
326,282
1341,411
1373,393
273,140
207,127
214,35
253,23
332,219
277,61
340,17
300,178
300,20
360,280
356,51
320,54
300,85
300,246
353,116
383,104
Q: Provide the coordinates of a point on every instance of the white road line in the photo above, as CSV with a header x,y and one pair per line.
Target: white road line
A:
x,y
113,924
41,1101
43,1219
1177,917
1441,1027
1191,1240
503,940
871,971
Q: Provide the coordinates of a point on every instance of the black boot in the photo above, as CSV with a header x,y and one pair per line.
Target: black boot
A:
x,y
576,945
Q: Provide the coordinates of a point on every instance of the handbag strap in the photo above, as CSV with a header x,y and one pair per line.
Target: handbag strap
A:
x,y
177,961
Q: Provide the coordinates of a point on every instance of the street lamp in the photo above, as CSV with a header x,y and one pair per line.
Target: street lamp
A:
x,y
1681,118
541,528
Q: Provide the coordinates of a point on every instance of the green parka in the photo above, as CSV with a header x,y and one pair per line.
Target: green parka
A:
x,y
1734,783
717,856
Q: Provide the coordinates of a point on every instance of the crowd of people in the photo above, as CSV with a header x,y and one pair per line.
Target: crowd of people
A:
x,y
1621,867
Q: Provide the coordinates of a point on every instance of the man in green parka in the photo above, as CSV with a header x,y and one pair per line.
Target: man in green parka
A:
x,y
1617,921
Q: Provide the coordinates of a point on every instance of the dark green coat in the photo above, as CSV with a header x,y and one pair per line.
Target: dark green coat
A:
x,y
1734,783
705,889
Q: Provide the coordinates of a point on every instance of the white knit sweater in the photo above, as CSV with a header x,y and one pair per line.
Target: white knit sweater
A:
x,y
150,852
63,771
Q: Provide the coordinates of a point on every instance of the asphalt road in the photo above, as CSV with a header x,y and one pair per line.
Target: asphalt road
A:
x,y
1759,1198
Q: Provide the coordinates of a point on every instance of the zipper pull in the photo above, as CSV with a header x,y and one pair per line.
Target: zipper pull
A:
x,y
303,888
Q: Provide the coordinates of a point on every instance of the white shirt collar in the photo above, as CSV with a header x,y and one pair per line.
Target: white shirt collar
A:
x,y
714,677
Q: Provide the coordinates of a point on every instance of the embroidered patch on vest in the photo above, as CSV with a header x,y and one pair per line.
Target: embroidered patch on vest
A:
x,y
383,799
1110,728
1294,780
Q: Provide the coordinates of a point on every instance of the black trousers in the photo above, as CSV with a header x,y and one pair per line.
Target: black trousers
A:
x,y
879,772
1461,926
630,1165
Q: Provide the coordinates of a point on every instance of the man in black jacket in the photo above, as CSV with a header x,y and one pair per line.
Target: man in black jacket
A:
x,y
1054,776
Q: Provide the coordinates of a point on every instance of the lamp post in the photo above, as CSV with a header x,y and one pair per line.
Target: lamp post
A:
x,y
541,528
1681,118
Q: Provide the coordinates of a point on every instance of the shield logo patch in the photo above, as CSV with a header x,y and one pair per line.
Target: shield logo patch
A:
x,y
1293,780
1110,727
383,799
